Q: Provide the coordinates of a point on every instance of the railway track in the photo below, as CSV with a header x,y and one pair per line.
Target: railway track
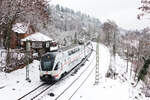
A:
x,y
71,87
35,93
81,84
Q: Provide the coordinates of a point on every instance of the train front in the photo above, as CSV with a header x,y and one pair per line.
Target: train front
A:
x,y
46,67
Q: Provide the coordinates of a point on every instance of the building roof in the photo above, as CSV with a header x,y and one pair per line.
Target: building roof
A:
x,y
20,28
37,37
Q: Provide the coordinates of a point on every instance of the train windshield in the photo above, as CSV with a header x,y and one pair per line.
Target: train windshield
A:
x,y
47,62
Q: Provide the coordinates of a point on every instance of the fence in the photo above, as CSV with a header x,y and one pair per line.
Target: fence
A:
x,y
12,60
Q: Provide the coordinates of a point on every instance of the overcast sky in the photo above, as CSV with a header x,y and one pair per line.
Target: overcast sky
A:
x,y
123,12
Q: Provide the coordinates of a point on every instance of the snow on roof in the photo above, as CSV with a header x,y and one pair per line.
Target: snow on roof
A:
x,y
37,37
20,28
84,28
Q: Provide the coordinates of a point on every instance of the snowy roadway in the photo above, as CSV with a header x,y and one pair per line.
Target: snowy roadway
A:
x,y
14,85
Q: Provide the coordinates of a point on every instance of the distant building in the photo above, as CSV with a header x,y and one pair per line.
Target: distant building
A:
x,y
23,32
20,31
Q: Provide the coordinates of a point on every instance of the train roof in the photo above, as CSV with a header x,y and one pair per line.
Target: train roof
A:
x,y
62,49
54,53
69,47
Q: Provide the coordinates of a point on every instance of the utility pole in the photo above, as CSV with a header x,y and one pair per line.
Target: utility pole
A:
x,y
132,63
127,57
28,48
138,57
97,62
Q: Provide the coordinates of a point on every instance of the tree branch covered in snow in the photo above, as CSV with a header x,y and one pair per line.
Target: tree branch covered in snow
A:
x,y
144,8
110,29
11,11
22,9
65,22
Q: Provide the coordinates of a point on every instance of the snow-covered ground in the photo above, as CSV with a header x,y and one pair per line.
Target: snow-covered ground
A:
x,y
13,85
2,57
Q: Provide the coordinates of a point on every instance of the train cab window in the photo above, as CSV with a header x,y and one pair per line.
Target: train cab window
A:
x,y
57,66
73,51
47,62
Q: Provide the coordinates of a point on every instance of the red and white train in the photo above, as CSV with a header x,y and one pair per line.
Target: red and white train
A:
x,y
54,65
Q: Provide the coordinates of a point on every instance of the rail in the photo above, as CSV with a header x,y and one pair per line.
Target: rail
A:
x,y
75,81
32,94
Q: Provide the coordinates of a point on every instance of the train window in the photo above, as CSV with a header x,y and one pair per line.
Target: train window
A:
x,y
73,51
47,62
70,53
76,50
57,66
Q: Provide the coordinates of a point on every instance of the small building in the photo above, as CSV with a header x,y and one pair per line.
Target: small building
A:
x,y
20,31
40,43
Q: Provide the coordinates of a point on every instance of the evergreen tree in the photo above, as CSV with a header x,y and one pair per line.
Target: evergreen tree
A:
x,y
144,70
62,9
58,7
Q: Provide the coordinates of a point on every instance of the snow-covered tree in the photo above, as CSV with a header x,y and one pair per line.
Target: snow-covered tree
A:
x,y
110,30
67,22
144,8
33,11
58,7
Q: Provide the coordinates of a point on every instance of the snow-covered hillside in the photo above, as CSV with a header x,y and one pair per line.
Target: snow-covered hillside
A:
x,y
13,85
65,22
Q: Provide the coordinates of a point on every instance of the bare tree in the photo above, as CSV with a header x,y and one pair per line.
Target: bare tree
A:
x,y
33,11
144,8
111,31
107,29
12,11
